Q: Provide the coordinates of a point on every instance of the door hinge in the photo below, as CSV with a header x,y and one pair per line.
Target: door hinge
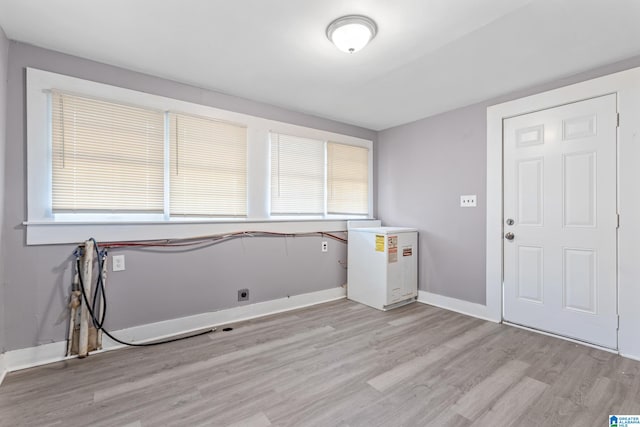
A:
x,y
618,120
618,221
618,322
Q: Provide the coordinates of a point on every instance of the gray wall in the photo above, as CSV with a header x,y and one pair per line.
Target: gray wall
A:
x,y
4,59
155,286
423,169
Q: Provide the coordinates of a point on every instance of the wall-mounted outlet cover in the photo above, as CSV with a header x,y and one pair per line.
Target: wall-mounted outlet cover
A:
x,y
325,246
117,262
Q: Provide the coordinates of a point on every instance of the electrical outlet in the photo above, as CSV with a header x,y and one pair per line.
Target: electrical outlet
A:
x,y
118,262
325,246
243,295
468,201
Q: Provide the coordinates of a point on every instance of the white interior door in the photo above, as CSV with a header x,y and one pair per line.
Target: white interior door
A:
x,y
560,261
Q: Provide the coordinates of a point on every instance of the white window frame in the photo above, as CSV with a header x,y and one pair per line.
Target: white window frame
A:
x,y
326,214
45,228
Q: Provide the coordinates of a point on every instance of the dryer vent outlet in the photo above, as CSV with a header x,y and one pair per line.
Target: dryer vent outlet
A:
x,y
243,295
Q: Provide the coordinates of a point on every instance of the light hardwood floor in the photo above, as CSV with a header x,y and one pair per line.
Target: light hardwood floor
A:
x,y
335,364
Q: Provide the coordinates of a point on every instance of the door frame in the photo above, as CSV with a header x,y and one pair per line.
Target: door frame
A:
x,y
626,85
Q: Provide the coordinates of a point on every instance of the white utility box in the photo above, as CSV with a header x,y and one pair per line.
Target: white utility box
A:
x,y
382,266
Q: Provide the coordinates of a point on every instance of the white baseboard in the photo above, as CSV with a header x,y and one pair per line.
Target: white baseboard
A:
x,y
169,328
630,356
460,306
482,312
3,368
35,356
54,352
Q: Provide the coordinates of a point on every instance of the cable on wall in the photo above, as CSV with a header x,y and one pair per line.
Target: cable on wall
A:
x,y
99,294
211,239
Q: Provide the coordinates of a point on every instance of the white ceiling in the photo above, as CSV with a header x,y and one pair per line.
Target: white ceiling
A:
x,y
429,56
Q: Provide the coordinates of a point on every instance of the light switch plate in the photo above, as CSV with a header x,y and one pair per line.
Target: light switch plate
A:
x,y
468,201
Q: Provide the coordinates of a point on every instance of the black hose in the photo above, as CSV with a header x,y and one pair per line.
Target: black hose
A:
x,y
100,324
99,290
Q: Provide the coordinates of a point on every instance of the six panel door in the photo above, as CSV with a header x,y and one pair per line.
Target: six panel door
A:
x,y
560,260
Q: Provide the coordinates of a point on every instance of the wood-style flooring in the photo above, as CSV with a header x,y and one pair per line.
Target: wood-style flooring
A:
x,y
335,364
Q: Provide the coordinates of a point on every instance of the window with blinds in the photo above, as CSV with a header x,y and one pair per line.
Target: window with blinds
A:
x,y
297,175
347,179
118,162
208,161
106,157
299,181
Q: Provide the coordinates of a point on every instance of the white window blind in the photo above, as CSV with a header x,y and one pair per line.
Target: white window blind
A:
x,y
106,157
208,167
347,179
297,175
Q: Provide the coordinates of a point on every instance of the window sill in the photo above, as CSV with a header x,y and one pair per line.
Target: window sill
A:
x,y
52,233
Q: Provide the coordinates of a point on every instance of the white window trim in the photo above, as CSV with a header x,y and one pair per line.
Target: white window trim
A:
x,y
43,228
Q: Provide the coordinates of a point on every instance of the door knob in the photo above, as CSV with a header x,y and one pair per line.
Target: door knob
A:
x,y
509,236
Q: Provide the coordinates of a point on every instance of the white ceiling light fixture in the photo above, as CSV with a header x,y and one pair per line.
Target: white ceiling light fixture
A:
x,y
352,32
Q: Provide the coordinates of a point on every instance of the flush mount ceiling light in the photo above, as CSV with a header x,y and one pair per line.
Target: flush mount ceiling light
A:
x,y
351,33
